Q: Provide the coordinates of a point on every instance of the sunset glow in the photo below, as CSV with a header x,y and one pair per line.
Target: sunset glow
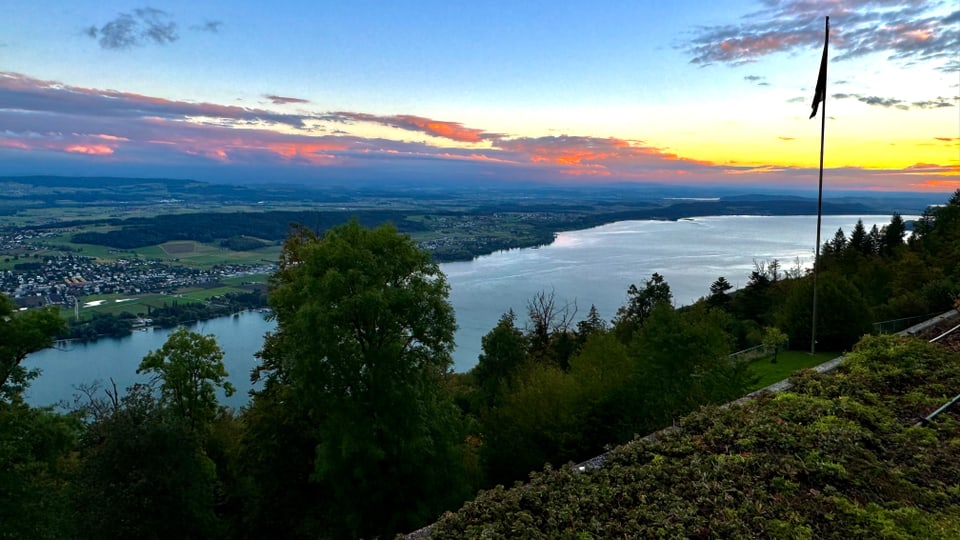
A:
x,y
633,92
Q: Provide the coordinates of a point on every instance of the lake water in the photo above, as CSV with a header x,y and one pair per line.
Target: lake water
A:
x,y
593,266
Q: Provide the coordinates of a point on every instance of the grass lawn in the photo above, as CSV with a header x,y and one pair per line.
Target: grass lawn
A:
x,y
135,304
238,281
787,363
199,295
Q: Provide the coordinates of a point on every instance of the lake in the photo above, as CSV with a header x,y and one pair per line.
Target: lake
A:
x,y
592,266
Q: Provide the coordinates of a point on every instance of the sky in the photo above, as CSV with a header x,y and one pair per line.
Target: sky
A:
x,y
567,92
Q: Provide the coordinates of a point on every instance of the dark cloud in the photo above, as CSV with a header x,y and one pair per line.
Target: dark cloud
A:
x,y
283,100
947,139
209,26
757,80
938,103
28,94
881,101
144,26
797,99
782,138
903,30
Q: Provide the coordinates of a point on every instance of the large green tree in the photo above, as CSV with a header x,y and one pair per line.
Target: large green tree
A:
x,y
504,352
842,314
143,473
681,363
363,341
189,368
20,335
36,462
640,304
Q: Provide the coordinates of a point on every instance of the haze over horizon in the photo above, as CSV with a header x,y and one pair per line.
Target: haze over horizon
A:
x,y
569,92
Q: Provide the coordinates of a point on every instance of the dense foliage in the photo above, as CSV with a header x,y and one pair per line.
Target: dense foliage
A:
x,y
363,342
837,457
20,335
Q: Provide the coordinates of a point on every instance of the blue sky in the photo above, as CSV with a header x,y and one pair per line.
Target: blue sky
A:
x,y
686,92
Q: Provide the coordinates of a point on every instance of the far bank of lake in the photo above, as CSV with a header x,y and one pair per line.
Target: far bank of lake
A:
x,y
592,266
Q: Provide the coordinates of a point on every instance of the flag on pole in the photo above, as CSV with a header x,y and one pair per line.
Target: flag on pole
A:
x,y
819,96
821,91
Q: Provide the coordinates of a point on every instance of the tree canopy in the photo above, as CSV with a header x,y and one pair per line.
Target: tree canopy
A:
x,y
363,341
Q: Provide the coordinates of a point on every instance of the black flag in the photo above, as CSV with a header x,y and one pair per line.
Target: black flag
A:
x,y
821,92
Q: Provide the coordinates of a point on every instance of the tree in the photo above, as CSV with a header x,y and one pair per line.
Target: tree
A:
x,y
504,352
875,240
774,338
860,240
837,245
590,326
753,301
36,462
20,335
549,334
143,473
190,369
681,363
842,315
718,293
640,304
537,421
892,235
363,341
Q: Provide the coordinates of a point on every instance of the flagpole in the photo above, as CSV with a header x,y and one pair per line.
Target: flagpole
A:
x,y
823,129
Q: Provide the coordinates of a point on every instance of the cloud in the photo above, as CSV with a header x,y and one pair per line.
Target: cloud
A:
x,y
947,139
26,93
882,102
145,25
283,100
594,156
903,30
52,128
757,79
95,149
782,138
208,26
454,131
938,103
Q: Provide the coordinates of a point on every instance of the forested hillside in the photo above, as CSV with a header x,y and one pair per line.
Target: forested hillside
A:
x,y
836,457
362,430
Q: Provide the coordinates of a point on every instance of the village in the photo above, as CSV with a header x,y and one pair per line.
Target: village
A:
x,y
63,280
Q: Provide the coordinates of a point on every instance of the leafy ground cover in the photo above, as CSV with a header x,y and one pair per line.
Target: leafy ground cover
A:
x,y
836,457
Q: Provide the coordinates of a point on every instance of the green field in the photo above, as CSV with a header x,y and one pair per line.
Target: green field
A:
x,y
787,363
138,303
135,304
184,253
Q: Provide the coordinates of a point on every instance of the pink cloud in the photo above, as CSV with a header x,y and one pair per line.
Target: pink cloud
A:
x,y
455,131
93,149
84,126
